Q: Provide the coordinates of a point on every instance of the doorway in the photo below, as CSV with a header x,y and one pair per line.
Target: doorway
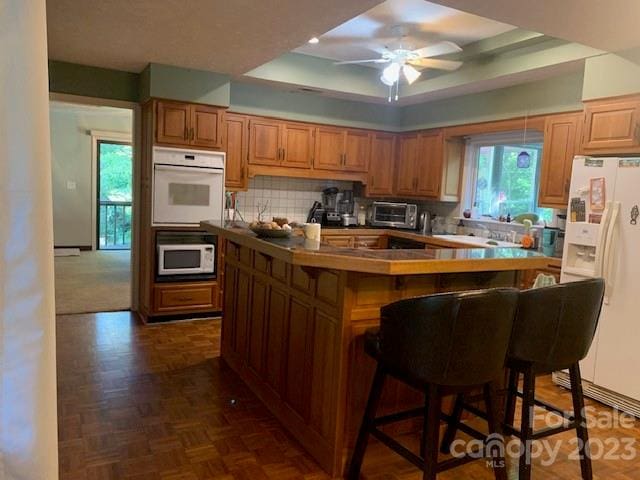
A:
x,y
114,167
94,197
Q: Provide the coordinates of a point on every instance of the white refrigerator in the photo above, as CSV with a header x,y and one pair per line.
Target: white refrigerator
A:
x,y
607,190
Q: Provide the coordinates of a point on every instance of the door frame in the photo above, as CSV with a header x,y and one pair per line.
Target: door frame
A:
x,y
96,137
136,143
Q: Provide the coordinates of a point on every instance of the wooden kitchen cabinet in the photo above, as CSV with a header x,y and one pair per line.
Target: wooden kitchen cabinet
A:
x,y
206,126
357,150
277,143
190,297
428,170
407,162
187,124
429,165
341,149
235,144
562,135
264,142
338,240
297,145
173,122
329,148
381,172
612,125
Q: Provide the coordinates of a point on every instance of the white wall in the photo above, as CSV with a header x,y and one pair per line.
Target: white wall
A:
x,y
71,162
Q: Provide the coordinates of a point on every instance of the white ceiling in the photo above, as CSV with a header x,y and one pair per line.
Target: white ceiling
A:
x,y
225,36
367,35
610,25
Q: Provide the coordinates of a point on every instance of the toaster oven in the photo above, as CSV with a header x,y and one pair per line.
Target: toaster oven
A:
x,y
394,215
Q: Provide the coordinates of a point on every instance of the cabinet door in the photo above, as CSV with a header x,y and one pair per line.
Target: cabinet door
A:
x,y
338,240
429,164
173,123
329,148
612,125
206,126
357,151
382,164
406,167
297,145
561,139
264,142
235,145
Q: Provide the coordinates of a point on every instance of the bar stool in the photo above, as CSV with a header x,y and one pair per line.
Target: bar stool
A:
x,y
553,330
439,344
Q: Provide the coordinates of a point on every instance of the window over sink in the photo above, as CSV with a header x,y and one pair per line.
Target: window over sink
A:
x,y
505,175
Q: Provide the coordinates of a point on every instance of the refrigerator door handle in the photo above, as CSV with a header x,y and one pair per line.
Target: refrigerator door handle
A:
x,y
601,244
609,254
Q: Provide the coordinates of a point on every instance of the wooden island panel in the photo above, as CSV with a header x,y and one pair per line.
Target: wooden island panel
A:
x,y
294,334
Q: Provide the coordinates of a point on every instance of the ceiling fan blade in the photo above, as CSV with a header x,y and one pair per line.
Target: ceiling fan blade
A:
x,y
436,63
373,60
437,49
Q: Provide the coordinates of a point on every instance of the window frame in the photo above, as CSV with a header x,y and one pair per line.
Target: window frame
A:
x,y
473,145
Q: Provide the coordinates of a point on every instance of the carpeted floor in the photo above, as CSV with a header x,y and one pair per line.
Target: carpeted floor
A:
x,y
96,281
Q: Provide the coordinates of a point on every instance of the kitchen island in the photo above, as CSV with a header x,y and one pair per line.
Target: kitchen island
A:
x,y
294,318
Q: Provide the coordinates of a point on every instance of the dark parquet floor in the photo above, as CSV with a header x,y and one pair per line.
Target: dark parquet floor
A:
x,y
142,402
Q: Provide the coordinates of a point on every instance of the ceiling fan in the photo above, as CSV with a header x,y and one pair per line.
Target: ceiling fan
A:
x,y
405,60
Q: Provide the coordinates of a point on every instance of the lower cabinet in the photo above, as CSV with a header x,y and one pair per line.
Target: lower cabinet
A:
x,y
187,297
356,241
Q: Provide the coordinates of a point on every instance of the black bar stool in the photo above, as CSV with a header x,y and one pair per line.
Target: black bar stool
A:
x,y
439,344
553,330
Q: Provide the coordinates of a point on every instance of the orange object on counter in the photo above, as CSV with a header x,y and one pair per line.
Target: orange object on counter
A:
x,y
526,241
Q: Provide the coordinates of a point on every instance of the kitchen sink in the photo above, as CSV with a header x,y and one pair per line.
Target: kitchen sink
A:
x,y
478,241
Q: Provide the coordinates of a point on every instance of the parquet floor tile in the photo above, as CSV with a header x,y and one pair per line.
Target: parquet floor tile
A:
x,y
155,402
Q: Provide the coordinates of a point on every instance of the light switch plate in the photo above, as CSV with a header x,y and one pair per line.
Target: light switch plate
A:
x,y
71,185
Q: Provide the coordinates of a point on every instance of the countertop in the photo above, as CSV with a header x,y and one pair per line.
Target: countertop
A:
x,y
387,262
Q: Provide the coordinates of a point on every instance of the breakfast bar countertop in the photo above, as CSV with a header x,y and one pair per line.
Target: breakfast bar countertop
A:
x,y
382,261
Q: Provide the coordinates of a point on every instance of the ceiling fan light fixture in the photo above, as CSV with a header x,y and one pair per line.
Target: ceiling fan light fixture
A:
x,y
410,73
314,40
391,74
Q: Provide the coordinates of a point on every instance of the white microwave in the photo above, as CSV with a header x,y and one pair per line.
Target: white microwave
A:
x,y
186,259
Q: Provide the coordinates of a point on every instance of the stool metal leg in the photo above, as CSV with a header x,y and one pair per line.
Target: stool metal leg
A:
x,y
497,454
431,433
367,424
581,422
452,427
526,429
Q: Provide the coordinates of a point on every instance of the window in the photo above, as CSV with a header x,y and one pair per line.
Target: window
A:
x,y
503,185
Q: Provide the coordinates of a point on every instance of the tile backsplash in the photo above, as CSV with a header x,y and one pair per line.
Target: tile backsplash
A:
x,y
285,197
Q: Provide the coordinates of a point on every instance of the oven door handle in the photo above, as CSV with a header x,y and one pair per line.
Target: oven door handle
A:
x,y
176,168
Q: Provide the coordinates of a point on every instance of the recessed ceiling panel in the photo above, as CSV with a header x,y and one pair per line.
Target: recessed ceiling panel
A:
x,y
411,24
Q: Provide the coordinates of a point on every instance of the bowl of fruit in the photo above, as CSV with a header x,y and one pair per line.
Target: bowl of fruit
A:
x,y
272,229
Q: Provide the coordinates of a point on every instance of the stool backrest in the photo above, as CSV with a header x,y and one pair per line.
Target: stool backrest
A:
x,y
449,339
555,325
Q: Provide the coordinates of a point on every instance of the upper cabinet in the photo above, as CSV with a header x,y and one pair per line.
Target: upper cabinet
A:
x,y
612,126
562,135
278,143
341,149
187,124
382,164
235,144
429,165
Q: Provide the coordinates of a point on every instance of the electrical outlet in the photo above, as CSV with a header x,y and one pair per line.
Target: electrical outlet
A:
x,y
71,185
